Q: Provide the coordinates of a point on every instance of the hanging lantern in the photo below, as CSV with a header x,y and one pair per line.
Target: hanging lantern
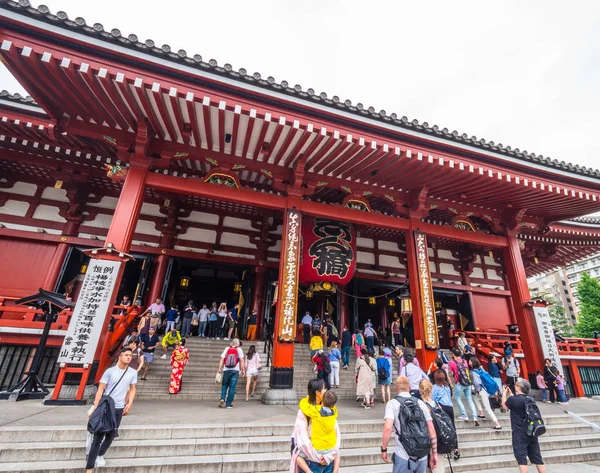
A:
x,y
406,305
309,295
237,287
391,302
83,269
184,282
372,301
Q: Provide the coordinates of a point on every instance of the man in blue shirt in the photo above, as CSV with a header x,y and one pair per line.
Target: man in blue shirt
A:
x,y
306,326
346,345
171,318
232,319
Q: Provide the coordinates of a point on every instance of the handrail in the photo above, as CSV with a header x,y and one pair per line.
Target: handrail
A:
x,y
268,343
570,345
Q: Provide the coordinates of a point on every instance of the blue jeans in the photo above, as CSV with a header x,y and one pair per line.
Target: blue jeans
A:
x,y
371,343
544,394
230,379
408,466
318,468
345,356
202,329
459,392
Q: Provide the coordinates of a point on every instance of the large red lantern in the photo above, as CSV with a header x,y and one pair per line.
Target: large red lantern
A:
x,y
328,251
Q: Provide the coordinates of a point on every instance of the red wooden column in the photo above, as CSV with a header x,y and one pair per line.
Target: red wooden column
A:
x,y
60,253
158,279
120,235
344,309
425,355
519,289
282,371
128,208
258,294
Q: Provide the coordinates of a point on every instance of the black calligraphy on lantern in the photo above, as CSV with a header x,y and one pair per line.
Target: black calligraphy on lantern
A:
x,y
332,252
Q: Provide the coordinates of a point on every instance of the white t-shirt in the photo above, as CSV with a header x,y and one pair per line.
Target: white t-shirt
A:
x,y
392,409
369,332
203,314
111,376
240,358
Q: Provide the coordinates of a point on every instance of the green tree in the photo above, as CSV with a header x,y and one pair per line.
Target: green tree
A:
x,y
589,306
558,315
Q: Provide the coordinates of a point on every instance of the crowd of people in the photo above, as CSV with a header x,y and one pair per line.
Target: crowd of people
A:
x,y
422,409
214,323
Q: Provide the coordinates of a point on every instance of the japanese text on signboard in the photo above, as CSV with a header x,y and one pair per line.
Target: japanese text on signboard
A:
x,y
95,297
289,266
547,338
427,301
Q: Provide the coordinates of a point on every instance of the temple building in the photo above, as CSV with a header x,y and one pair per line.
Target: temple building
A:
x,y
183,179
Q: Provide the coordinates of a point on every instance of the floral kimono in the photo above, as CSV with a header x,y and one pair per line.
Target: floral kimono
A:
x,y
179,359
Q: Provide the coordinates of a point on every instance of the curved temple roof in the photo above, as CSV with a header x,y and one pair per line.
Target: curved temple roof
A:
x,y
165,51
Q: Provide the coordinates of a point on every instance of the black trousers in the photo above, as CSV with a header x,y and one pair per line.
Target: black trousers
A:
x,y
510,382
525,446
306,330
101,443
553,390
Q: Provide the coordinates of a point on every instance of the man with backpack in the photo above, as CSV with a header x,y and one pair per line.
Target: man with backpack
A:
x,y
462,385
231,365
511,368
411,421
527,425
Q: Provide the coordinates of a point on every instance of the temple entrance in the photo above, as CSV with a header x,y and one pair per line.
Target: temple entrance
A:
x,y
135,281
205,283
454,313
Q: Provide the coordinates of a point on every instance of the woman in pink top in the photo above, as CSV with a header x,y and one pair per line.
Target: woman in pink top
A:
x,y
253,366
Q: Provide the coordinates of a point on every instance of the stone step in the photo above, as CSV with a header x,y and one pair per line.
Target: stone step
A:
x,y
476,445
360,460
556,425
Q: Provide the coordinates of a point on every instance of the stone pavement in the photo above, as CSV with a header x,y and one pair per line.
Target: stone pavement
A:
x,y
34,413
180,436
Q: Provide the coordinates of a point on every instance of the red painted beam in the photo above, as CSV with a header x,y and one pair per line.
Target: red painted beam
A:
x,y
482,239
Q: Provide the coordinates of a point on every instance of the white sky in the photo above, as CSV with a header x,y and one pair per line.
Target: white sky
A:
x,y
523,74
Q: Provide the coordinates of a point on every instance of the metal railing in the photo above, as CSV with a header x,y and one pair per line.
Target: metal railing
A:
x,y
268,349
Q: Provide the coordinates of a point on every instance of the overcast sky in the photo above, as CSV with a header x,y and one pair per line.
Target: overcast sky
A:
x,y
520,73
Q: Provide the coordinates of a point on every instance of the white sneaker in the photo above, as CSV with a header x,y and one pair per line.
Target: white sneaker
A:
x,y
100,462
218,338
164,357
226,338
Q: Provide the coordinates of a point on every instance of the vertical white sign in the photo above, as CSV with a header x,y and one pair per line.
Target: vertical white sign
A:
x,y
95,298
547,339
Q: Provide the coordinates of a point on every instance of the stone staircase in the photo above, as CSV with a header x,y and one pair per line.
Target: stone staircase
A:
x,y
199,375
262,448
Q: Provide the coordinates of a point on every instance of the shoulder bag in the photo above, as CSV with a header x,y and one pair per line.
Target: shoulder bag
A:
x,y
104,418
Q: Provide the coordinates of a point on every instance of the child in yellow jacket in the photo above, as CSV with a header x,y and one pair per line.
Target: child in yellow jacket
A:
x,y
323,434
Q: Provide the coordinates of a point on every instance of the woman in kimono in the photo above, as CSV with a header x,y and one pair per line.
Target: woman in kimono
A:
x,y
179,359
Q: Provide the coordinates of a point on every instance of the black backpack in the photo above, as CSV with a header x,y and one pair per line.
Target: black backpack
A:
x,y
464,377
533,418
413,435
383,372
326,363
447,440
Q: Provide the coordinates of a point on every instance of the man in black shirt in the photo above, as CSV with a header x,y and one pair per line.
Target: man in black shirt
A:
x,y
523,445
149,343
346,345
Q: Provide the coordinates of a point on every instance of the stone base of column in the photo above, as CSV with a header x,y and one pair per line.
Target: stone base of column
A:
x,y
281,390
280,397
